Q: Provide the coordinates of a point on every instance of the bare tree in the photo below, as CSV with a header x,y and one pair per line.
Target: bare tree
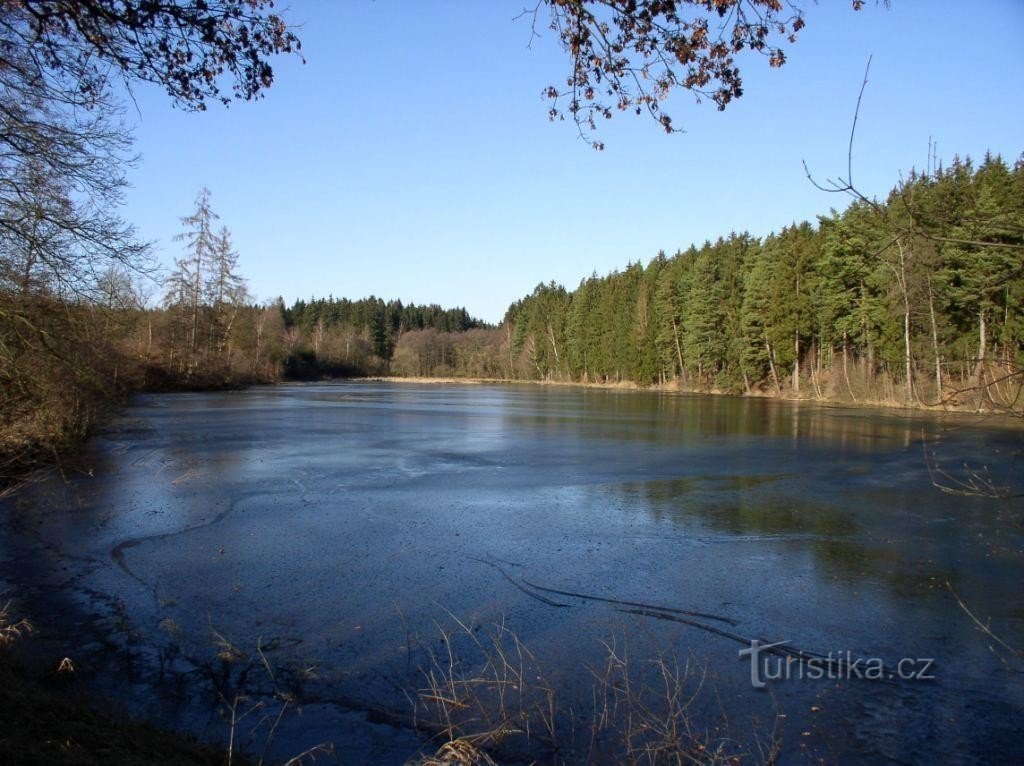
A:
x,y
205,290
188,282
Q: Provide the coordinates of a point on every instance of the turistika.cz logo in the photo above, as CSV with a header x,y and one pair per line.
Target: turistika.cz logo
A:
x,y
775,662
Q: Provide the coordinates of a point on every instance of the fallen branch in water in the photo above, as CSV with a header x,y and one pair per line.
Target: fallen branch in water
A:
x,y
670,610
984,627
518,585
525,585
673,615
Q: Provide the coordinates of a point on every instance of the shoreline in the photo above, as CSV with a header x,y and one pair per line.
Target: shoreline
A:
x,y
673,388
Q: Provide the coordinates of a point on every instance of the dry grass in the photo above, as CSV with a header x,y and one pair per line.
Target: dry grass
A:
x,y
255,696
458,752
485,696
499,695
11,630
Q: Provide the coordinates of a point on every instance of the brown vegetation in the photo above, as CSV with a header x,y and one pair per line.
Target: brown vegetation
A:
x,y
486,695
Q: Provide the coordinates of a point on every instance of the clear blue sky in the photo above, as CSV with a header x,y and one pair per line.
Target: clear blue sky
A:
x,y
411,156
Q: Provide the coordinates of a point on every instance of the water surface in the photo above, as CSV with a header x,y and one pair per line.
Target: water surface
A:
x,y
339,528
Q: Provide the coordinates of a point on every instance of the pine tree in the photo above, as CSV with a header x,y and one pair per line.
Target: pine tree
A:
x,y
984,257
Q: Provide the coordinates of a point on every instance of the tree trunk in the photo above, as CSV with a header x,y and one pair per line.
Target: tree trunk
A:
x,y
227,336
796,362
846,373
906,354
551,336
901,281
1006,325
815,369
197,298
935,343
771,365
679,350
511,359
979,370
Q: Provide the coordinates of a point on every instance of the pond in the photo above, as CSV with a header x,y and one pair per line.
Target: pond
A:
x,y
338,562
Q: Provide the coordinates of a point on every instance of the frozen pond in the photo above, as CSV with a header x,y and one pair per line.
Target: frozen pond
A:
x,y
329,533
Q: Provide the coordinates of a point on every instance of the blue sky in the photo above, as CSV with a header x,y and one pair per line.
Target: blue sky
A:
x,y
411,156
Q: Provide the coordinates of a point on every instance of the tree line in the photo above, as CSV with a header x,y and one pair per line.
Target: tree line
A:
x,y
915,299
207,331
327,323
